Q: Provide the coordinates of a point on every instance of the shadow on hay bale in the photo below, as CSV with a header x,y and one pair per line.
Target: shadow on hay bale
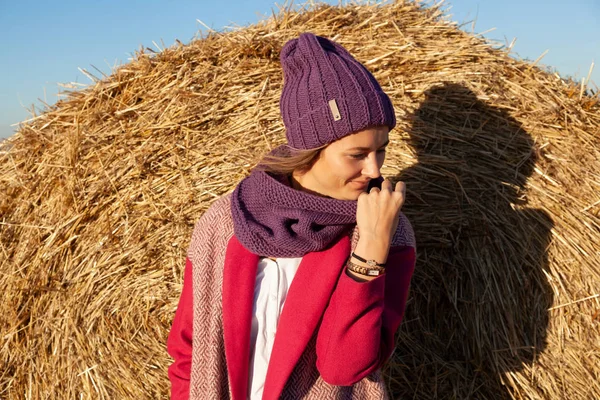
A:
x,y
479,296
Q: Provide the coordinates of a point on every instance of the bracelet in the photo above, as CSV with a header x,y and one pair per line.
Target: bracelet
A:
x,y
370,263
375,271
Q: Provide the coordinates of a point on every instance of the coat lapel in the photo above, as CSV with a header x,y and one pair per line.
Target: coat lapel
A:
x,y
309,294
239,277
305,304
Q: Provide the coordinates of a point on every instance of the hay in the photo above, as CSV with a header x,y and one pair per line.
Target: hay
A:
x,y
101,191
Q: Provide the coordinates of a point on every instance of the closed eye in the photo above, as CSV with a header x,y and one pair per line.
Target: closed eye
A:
x,y
361,155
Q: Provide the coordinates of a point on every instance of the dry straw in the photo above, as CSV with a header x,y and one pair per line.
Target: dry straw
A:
x,y
501,158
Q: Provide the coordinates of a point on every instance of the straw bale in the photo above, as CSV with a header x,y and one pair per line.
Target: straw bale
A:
x,y
501,157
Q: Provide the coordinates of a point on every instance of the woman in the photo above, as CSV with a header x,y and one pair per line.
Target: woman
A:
x,y
295,283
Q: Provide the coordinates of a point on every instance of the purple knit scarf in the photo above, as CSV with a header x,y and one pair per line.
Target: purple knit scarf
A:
x,y
270,218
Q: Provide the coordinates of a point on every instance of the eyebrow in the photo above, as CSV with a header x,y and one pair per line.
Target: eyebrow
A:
x,y
367,148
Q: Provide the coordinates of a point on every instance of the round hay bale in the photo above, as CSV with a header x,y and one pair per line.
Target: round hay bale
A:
x,y
501,158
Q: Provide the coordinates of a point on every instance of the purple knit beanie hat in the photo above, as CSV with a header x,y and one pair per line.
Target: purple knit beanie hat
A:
x,y
327,94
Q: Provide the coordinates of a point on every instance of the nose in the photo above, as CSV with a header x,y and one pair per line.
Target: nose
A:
x,y
371,167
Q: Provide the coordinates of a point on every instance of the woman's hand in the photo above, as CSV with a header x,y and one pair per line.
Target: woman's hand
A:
x,y
377,212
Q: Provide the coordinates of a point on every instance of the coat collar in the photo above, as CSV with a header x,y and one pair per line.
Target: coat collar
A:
x,y
317,274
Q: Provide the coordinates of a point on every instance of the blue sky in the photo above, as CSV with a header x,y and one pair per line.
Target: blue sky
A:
x,y
46,42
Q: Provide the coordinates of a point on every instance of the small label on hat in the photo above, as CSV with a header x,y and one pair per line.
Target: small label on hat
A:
x,y
334,110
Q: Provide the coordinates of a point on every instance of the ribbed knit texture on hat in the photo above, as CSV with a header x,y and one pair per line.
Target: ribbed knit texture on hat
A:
x,y
273,219
317,70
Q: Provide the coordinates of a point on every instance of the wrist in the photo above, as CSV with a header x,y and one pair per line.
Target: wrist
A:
x,y
359,277
371,249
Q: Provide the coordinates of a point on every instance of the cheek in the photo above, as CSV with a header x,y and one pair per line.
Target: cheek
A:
x,y
345,170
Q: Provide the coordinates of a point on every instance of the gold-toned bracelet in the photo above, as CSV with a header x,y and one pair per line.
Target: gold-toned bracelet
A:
x,y
372,271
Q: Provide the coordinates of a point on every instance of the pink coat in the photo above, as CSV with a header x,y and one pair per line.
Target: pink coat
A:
x,y
333,335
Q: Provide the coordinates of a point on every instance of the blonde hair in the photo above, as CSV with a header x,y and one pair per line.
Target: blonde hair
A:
x,y
298,160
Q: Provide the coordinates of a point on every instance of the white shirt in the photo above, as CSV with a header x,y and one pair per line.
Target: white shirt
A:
x,y
273,280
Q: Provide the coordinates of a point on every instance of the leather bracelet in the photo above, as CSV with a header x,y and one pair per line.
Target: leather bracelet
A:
x,y
374,271
370,263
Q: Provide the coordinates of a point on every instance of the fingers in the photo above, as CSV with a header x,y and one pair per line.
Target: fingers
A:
x,y
401,187
387,185
398,194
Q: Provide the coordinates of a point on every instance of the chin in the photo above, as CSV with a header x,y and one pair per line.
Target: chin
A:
x,y
352,193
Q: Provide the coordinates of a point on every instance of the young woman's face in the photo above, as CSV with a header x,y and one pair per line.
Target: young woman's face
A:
x,y
345,167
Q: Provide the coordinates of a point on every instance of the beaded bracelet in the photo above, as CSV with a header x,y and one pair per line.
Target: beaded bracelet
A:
x,y
373,271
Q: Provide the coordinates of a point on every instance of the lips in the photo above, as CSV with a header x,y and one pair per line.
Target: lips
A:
x,y
361,185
